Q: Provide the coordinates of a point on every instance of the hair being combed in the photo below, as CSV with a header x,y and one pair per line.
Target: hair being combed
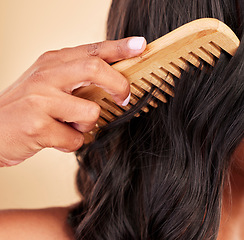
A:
x,y
161,175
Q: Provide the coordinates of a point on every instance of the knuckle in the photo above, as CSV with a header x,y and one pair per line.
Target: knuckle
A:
x,y
39,75
92,113
61,54
93,49
35,101
48,56
32,100
93,65
36,128
121,54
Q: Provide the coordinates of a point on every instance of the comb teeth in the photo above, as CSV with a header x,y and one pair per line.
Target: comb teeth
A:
x,y
101,122
162,61
213,49
164,75
205,55
158,82
182,63
193,59
111,107
106,115
136,90
134,100
173,69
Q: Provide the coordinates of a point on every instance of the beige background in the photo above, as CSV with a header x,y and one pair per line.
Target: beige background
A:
x,y
27,29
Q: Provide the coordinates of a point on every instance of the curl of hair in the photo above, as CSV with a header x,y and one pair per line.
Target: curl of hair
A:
x,y
161,175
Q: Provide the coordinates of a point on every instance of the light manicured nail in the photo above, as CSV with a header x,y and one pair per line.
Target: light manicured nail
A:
x,y
136,43
126,101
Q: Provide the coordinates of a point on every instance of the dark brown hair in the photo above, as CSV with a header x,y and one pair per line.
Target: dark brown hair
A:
x,y
161,175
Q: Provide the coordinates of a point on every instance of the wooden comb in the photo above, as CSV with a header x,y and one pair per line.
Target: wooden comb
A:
x,y
162,59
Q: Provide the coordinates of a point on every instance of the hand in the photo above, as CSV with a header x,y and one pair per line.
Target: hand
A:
x,y
38,110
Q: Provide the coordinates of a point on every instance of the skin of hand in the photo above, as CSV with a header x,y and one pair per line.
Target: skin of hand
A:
x,y
39,110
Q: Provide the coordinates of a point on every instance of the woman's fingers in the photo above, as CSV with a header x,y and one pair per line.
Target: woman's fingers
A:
x,y
62,137
83,72
109,51
80,113
71,68
96,71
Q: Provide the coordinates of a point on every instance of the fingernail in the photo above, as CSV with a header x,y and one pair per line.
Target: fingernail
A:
x,y
126,101
136,43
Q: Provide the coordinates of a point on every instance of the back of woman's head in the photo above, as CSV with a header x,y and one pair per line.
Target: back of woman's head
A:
x,y
161,175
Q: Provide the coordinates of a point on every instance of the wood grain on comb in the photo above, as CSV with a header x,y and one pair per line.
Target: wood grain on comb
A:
x,y
162,60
